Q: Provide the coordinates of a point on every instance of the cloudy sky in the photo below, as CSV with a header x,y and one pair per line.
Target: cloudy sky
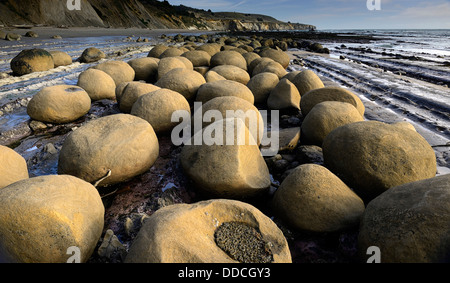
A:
x,y
340,14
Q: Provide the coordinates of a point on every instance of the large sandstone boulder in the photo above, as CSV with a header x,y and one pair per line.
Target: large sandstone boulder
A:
x,y
184,81
221,88
119,146
276,55
199,58
91,55
130,94
269,66
306,81
284,95
212,76
146,69
255,62
261,85
211,48
372,157
157,50
409,223
312,198
13,167
98,84
169,63
250,57
120,71
327,116
43,217
32,60
226,167
158,107
213,231
171,52
61,58
316,96
232,73
229,58
59,104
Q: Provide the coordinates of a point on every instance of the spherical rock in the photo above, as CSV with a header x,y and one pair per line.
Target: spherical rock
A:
x,y
146,69
32,60
118,70
229,58
13,167
43,217
184,81
212,76
131,92
59,104
313,199
307,81
327,116
372,157
169,63
250,57
223,168
61,58
198,58
284,95
214,89
91,55
261,85
277,55
123,145
409,223
232,73
157,51
194,233
211,48
157,108
314,97
98,84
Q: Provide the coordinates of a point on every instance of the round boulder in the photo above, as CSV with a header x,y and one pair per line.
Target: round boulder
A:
x,y
43,217
61,58
130,94
118,70
372,157
184,81
32,60
199,58
171,52
91,55
311,198
285,95
213,231
409,223
169,63
119,146
59,104
327,116
276,55
261,85
307,81
13,167
224,167
229,58
146,69
157,51
98,84
211,48
158,106
221,88
232,73
316,96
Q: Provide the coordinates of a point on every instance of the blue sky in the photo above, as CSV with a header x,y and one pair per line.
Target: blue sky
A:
x,y
340,14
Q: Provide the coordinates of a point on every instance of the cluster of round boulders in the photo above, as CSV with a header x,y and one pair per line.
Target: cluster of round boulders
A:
x,y
43,217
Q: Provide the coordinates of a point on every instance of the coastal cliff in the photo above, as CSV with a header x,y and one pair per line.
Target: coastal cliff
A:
x,y
151,14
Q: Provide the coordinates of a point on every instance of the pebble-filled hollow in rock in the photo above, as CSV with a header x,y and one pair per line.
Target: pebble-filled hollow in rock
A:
x,y
243,243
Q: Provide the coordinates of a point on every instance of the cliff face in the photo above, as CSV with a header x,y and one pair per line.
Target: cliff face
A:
x,y
151,14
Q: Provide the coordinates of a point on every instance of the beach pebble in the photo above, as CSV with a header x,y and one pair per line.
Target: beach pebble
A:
x,y
316,96
284,95
98,84
184,81
146,69
31,34
91,55
13,167
118,147
212,231
32,60
234,171
10,36
221,88
232,73
261,85
43,217
313,199
59,104
119,71
409,223
372,157
229,58
131,92
306,81
158,106
327,116
61,58
276,55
